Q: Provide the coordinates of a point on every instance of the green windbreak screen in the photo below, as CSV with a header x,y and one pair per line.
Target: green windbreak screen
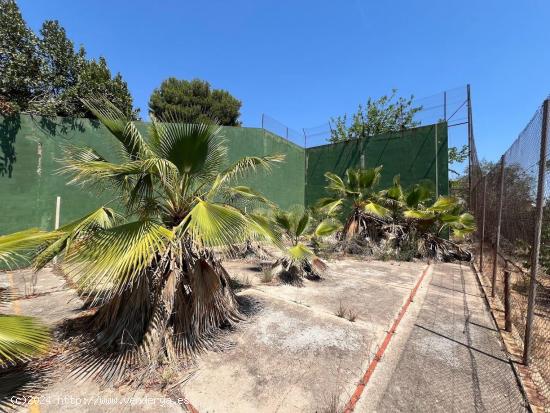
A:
x,y
31,147
410,153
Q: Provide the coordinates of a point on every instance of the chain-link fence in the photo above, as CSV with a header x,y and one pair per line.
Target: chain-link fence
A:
x,y
272,125
511,202
450,106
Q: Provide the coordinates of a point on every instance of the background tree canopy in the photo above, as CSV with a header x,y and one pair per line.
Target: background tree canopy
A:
x,y
386,114
195,102
43,74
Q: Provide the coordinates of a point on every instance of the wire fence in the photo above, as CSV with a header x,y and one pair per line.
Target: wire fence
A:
x,y
278,128
511,202
450,106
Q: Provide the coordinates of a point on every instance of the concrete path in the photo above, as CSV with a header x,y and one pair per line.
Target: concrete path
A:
x,y
447,357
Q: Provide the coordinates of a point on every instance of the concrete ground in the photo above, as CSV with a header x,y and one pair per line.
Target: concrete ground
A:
x,y
451,359
51,300
295,354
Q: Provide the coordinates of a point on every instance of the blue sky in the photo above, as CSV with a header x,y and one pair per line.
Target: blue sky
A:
x,y
304,61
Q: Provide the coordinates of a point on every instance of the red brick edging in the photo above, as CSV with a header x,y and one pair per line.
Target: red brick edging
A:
x,y
350,406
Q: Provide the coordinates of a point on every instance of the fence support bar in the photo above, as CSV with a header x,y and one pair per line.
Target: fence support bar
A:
x,y
536,237
470,141
436,163
507,302
57,217
499,218
482,234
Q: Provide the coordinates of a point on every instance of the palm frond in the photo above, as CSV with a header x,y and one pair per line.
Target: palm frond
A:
x,y
283,220
444,204
242,168
21,338
120,125
419,193
101,218
195,149
100,170
111,260
376,209
330,206
327,227
265,229
395,192
419,214
302,223
300,252
215,225
19,246
336,184
246,194
361,180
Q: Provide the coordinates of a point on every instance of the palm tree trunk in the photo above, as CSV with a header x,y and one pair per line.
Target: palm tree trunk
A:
x,y
175,310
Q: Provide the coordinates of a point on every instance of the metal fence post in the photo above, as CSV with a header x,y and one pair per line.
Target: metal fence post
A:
x,y
536,238
482,233
445,106
507,302
436,163
499,218
470,141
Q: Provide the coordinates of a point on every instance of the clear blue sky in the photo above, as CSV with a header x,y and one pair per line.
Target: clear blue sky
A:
x,y
305,61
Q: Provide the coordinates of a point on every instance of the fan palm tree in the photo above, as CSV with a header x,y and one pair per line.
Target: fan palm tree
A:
x,y
396,215
298,260
415,214
152,273
357,193
432,222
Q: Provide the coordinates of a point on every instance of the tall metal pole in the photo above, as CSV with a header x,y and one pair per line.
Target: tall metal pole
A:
x,y
305,159
262,121
507,302
470,140
445,106
436,164
305,164
499,218
536,238
482,237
